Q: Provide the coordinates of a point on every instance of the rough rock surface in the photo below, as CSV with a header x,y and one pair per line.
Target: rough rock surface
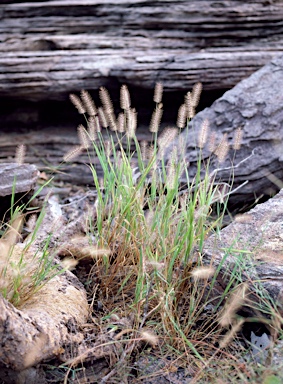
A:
x,y
252,246
20,178
256,106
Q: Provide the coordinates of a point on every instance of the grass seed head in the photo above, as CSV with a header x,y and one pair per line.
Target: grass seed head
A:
x,y
77,103
165,139
144,150
190,106
182,116
222,149
131,123
212,141
106,100
20,154
156,119
202,273
235,302
112,122
91,128
73,153
83,137
196,92
172,169
69,263
158,93
88,103
30,225
149,337
125,99
102,117
202,138
231,334
238,139
121,122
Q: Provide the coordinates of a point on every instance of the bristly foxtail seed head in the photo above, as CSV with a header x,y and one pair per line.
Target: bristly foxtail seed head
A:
x,y
131,123
144,150
97,123
196,92
202,273
91,128
182,116
238,139
106,100
69,263
171,173
235,302
165,139
158,93
112,121
30,224
222,149
149,337
107,148
125,99
102,118
156,119
121,122
83,137
20,154
73,153
76,101
212,141
88,103
189,104
150,151
232,333
202,138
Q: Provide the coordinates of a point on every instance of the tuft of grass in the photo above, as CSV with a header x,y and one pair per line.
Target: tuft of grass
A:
x,y
155,230
24,269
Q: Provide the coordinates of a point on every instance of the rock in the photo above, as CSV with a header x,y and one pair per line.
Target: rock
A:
x,y
251,249
53,48
255,105
17,178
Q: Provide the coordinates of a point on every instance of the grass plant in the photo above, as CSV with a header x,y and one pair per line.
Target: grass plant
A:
x,y
150,291
155,230
23,270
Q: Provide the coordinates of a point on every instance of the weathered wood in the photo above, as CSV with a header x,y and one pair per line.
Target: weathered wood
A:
x,y
46,148
52,48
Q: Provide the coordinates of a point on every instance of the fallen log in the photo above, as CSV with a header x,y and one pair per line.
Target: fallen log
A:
x,y
55,47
